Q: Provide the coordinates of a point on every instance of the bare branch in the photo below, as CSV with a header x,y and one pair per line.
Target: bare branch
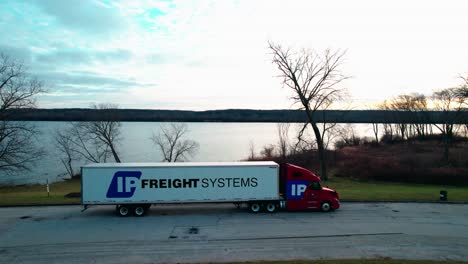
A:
x,y
64,144
104,134
172,145
283,140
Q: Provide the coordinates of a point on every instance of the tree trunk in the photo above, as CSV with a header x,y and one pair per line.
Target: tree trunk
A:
x,y
321,152
321,149
70,167
375,128
447,141
114,153
446,148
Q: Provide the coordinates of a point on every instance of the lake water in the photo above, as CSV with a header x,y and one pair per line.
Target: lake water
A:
x,y
218,142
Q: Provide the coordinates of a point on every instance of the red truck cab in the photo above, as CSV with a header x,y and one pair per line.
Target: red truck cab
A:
x,y
302,190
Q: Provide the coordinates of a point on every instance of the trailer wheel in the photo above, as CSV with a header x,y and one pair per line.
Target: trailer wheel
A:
x,y
255,207
326,207
123,210
271,207
139,210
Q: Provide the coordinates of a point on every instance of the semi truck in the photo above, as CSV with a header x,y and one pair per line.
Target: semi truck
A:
x,y
261,185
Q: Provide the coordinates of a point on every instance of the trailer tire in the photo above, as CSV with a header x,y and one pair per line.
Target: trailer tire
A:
x,y
123,210
139,210
326,207
255,207
271,207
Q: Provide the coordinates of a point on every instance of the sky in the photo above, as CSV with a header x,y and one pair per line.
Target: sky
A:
x,y
200,55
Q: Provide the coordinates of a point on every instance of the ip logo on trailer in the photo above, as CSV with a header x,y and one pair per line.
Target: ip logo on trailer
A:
x,y
123,184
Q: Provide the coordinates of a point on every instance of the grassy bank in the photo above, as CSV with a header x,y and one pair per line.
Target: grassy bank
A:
x,y
37,194
353,190
350,190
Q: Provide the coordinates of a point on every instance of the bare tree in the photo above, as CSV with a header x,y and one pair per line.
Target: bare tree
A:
x,y
268,151
448,100
251,150
375,128
463,93
86,146
388,128
347,137
84,141
420,104
283,140
104,133
17,90
410,102
170,141
65,146
314,81
401,102
463,89
92,141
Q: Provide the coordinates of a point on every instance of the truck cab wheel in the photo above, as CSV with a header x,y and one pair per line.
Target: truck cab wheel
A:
x,y
325,207
271,207
139,210
123,210
255,207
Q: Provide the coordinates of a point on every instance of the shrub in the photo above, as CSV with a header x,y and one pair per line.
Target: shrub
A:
x,y
390,139
420,163
352,141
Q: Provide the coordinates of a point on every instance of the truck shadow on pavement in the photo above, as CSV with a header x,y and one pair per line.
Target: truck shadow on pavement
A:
x,y
197,209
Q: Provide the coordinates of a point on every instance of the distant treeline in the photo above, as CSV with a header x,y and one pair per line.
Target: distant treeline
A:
x,y
235,115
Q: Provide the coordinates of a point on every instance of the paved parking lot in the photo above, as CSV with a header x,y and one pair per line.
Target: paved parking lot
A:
x,y
220,232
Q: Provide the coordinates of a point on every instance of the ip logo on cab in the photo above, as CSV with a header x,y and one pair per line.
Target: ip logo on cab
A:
x,y
295,189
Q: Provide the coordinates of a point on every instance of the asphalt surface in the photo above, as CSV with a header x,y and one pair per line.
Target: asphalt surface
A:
x,y
220,233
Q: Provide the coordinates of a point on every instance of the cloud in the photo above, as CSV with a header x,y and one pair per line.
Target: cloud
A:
x,y
85,80
17,53
61,55
89,16
80,56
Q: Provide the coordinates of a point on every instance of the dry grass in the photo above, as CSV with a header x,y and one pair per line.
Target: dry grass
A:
x,y
37,194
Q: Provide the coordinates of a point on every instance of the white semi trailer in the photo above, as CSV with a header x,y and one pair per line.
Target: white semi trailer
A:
x,y
134,187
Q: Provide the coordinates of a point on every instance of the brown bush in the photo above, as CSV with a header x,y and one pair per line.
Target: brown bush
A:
x,y
418,162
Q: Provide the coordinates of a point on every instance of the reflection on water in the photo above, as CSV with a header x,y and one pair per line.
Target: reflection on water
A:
x,y
218,142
